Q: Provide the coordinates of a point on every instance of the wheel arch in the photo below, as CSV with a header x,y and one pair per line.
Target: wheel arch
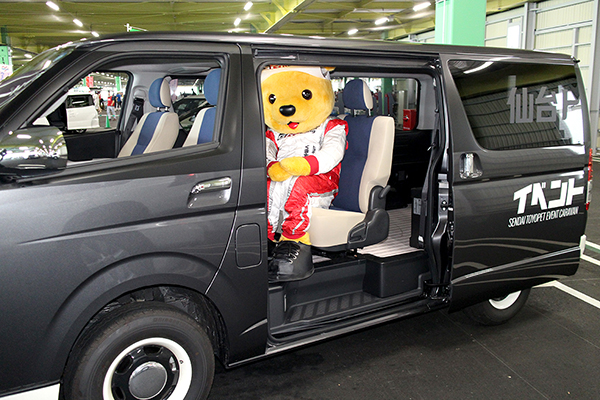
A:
x,y
170,278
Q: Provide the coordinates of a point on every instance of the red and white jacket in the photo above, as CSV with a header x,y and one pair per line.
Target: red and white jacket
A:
x,y
323,147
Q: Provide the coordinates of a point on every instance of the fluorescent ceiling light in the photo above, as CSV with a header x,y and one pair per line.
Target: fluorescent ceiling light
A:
x,y
52,6
482,66
95,34
78,22
381,21
248,6
237,21
352,31
421,6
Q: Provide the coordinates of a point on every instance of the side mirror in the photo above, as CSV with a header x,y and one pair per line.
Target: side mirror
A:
x,y
27,151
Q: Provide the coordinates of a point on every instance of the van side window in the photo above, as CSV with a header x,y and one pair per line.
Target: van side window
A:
x,y
105,114
395,97
520,105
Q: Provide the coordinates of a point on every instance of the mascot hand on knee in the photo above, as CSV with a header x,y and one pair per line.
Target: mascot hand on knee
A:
x,y
305,146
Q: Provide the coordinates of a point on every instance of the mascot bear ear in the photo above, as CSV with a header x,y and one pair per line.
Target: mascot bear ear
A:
x,y
325,71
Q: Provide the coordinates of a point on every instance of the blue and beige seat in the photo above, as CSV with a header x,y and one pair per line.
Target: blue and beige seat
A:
x,y
357,217
204,124
156,130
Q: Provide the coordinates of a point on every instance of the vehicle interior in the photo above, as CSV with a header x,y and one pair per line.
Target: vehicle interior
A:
x,y
368,256
157,126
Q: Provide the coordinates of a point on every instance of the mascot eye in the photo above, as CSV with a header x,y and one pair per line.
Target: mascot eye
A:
x,y
307,94
272,98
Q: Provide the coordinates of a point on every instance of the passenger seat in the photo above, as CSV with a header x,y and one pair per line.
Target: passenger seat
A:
x,y
357,217
156,130
204,124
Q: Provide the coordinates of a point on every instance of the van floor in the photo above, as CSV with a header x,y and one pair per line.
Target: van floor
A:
x,y
398,238
397,241
344,286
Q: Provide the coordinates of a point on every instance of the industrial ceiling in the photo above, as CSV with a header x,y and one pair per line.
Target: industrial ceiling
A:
x,y
35,25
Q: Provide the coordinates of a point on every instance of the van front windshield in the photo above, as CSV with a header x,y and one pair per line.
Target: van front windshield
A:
x,y
28,73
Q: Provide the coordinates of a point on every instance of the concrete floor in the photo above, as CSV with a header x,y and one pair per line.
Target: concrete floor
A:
x,y
550,350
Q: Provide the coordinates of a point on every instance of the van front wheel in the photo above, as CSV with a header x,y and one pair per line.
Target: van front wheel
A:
x,y
499,310
143,351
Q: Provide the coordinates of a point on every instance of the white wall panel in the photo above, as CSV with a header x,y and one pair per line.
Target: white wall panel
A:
x,y
554,39
496,29
561,13
497,25
565,26
584,54
501,42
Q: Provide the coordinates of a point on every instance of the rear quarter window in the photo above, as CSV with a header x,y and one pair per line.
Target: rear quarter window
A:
x,y
520,105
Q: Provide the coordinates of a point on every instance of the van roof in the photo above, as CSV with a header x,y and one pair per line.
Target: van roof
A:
x,y
313,42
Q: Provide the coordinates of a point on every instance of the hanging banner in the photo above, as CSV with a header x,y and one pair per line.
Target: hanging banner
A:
x,y
5,71
118,83
6,68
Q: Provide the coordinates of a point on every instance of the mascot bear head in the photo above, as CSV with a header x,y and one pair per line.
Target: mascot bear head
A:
x,y
296,99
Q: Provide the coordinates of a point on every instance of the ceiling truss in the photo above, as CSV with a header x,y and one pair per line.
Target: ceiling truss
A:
x,y
32,26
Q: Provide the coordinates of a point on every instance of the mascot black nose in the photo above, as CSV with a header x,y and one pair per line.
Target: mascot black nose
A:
x,y
287,111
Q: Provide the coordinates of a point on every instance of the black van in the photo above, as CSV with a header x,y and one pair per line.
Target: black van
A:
x,y
132,257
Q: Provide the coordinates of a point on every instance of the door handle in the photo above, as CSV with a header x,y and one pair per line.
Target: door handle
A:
x,y
209,193
211,186
470,166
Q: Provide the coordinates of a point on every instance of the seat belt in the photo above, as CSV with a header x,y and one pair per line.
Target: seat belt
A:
x,y
425,190
136,113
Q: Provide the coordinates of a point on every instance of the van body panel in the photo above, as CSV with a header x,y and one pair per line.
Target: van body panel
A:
x,y
143,232
515,202
119,226
492,282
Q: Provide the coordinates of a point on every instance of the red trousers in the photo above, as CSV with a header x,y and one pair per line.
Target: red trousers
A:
x,y
291,201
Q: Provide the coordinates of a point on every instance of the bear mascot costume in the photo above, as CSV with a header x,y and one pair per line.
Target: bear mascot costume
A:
x,y
305,146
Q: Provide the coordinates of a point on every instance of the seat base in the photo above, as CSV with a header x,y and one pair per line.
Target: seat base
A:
x,y
334,230
330,227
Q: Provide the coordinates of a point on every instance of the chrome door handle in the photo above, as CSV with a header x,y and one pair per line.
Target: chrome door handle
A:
x,y
470,166
212,185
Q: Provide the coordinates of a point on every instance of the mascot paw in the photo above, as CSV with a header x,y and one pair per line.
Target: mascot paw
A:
x,y
277,173
297,166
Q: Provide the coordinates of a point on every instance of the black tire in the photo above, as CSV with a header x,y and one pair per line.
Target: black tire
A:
x,y
145,350
498,311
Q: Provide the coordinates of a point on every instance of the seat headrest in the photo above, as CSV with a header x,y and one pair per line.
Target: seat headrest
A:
x,y
357,95
159,93
211,86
